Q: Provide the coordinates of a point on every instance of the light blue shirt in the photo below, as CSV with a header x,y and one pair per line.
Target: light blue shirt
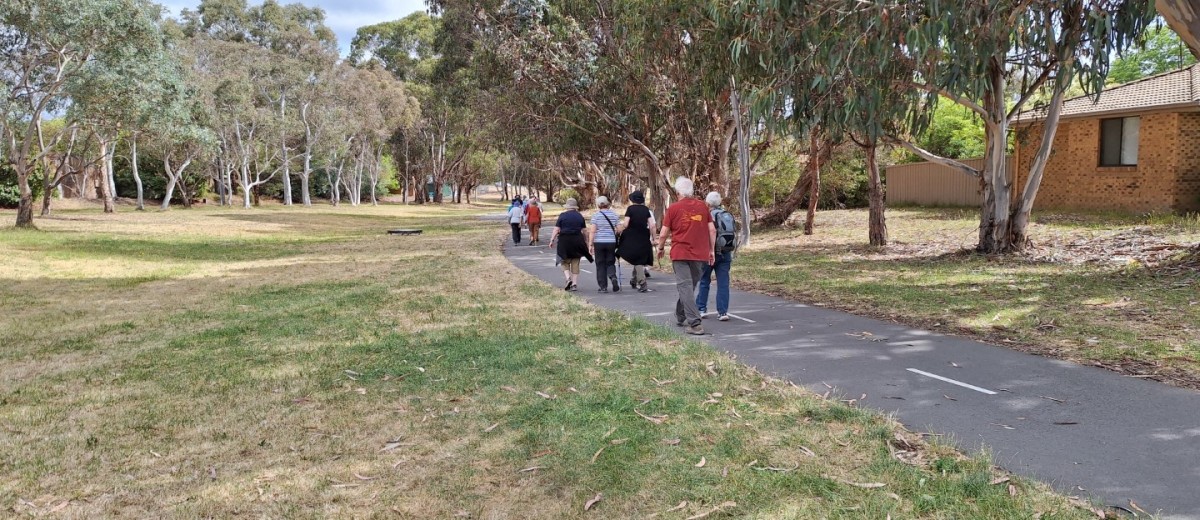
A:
x,y
605,234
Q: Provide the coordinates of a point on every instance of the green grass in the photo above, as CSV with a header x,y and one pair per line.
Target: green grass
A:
x,y
1142,320
324,370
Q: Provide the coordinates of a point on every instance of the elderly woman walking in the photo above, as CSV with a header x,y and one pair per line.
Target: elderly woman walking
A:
x,y
602,242
570,237
723,255
637,239
690,227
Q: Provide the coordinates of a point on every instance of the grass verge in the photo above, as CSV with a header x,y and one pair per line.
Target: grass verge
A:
x,y
1099,289
297,363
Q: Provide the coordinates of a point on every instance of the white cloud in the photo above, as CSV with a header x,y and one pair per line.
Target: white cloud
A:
x,y
344,17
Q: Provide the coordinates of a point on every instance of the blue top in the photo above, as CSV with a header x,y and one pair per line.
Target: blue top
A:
x,y
570,223
605,229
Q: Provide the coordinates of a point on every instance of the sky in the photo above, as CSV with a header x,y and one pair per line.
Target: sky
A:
x,y
343,16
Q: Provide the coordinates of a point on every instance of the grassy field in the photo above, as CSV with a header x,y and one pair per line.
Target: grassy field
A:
x,y
300,364
1101,289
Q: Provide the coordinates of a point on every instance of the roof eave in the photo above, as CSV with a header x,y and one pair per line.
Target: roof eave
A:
x,y
1187,106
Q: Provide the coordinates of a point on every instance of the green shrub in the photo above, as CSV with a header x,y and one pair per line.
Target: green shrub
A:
x,y
564,194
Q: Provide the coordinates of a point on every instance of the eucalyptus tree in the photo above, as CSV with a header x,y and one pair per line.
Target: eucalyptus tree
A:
x,y
120,91
44,46
993,58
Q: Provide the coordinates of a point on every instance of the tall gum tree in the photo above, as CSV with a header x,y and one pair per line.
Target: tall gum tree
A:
x,y
47,45
993,57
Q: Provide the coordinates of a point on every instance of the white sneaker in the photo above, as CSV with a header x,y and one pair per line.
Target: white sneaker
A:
x,y
723,317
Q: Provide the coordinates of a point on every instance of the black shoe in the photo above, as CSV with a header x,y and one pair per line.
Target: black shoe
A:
x,y
604,289
616,285
642,287
633,284
568,287
574,287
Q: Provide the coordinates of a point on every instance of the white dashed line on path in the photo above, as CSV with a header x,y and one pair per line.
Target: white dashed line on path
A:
x,y
952,381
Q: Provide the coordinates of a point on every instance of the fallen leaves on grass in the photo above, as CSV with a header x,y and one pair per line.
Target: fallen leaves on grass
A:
x,y
590,503
702,462
718,509
490,428
671,442
1087,507
530,468
679,507
364,477
656,419
544,395
597,455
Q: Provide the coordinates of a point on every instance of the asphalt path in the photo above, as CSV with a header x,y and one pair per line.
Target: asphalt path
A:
x,y
1086,431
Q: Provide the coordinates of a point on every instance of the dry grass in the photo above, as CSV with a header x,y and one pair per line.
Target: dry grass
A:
x,y
298,363
1117,291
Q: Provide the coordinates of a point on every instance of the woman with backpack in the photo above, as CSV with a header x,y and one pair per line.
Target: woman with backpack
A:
x,y
726,243
637,246
602,242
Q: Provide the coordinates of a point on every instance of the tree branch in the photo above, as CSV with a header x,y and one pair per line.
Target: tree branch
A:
x,y
931,157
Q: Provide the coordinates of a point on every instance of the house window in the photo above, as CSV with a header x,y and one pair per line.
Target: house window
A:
x,y
1119,141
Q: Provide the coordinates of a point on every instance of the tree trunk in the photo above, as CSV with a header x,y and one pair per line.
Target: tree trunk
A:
x,y
25,206
877,229
743,156
137,177
814,186
287,162
105,174
783,211
1183,16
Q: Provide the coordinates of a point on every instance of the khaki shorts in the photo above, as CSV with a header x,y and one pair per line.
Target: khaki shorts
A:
x,y
571,265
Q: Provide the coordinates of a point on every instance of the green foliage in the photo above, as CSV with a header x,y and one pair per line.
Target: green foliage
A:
x,y
389,180
10,195
954,132
404,47
1160,51
843,180
564,194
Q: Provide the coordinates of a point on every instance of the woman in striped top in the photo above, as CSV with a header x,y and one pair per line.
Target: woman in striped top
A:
x,y
602,242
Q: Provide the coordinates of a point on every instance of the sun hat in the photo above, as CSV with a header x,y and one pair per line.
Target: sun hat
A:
x,y
637,197
602,201
571,204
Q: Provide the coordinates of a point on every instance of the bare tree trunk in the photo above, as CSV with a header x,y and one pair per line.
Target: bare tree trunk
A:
x,y
1184,18
784,210
877,228
814,187
1020,217
25,206
105,172
743,156
287,162
137,177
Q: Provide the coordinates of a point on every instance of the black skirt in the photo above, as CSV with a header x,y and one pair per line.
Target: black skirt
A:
x,y
635,240
571,247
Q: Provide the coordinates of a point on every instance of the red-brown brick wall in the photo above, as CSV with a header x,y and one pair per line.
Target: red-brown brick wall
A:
x,y
1187,197
1074,179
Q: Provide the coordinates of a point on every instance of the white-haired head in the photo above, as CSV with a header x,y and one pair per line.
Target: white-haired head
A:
x,y
684,187
713,199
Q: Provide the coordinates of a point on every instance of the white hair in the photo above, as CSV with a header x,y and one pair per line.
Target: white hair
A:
x,y
684,187
713,199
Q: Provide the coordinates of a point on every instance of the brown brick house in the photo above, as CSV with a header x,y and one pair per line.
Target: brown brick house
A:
x,y
1137,148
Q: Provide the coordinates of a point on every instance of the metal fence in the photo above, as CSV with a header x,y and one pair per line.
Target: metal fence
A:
x,y
932,184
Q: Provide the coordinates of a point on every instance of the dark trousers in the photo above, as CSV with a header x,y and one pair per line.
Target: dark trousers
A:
x,y
606,263
516,233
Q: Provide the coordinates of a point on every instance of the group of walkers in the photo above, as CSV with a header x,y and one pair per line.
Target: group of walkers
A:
x,y
701,235
528,212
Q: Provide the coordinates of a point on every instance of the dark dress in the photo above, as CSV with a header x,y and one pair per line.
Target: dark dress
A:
x,y
571,244
635,240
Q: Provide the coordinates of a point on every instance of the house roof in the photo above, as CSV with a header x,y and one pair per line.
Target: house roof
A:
x,y
1175,89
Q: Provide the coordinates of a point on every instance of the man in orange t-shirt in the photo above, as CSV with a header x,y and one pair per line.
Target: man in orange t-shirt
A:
x,y
693,244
